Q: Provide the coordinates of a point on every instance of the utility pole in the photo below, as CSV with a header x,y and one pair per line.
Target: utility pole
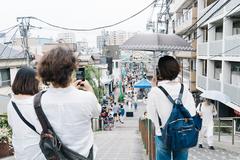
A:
x,y
24,27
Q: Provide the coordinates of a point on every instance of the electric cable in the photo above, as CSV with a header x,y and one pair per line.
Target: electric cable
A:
x,y
1,54
223,21
95,28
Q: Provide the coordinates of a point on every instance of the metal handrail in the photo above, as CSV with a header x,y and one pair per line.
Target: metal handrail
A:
x,y
233,126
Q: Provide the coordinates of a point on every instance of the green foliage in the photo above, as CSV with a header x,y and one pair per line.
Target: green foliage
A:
x,y
5,130
93,75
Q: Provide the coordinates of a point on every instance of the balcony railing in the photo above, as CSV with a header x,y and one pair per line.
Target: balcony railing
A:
x,y
186,20
231,5
233,92
202,49
232,45
202,82
215,48
214,84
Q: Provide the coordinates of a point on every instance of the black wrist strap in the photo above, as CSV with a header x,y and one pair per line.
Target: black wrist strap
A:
x,y
23,119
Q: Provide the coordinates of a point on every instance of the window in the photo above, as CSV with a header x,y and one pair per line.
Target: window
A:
x,y
217,69
236,27
235,73
219,33
116,64
4,77
204,67
205,34
193,65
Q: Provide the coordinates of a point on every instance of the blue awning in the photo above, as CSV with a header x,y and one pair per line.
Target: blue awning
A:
x,y
144,83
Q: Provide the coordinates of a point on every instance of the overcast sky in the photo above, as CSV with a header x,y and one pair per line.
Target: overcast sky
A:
x,y
76,14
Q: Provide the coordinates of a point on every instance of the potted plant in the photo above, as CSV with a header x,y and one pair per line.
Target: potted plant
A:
x,y
5,137
4,142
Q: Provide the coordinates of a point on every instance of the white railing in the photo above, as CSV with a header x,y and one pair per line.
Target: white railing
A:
x,y
214,84
232,46
231,5
3,103
202,82
202,49
233,92
215,47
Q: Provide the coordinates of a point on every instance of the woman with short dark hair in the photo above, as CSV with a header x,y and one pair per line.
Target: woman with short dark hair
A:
x,y
24,87
158,105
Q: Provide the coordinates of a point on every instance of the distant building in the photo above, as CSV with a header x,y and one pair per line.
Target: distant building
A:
x,y
35,44
48,46
112,38
82,46
112,51
67,37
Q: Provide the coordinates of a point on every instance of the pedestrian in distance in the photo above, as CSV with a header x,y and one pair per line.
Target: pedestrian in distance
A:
x,y
25,140
206,110
121,113
159,107
115,112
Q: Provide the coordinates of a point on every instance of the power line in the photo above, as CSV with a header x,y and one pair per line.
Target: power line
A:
x,y
207,18
223,21
95,28
10,28
1,54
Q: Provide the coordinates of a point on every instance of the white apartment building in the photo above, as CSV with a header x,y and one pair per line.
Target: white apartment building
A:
x,y
218,49
184,16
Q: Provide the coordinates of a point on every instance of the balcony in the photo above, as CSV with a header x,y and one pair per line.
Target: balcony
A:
x,y
215,48
207,12
231,5
179,5
202,49
202,82
214,84
186,20
232,46
233,92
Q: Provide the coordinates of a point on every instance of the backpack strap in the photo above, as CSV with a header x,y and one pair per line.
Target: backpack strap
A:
x,y
23,119
39,111
181,92
167,95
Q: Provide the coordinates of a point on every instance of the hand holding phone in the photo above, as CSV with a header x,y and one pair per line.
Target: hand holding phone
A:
x,y
80,74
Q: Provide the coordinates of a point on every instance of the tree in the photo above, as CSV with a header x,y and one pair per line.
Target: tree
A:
x,y
93,75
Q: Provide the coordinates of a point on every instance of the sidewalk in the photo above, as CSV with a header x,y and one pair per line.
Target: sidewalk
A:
x,y
123,142
226,143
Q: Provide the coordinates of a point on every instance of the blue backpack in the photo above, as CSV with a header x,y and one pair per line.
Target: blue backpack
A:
x,y
181,130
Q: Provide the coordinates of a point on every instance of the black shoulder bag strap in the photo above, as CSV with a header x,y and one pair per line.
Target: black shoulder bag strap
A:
x,y
46,124
170,98
40,114
23,119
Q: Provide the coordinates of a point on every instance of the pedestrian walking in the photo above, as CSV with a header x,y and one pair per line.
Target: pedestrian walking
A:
x,y
115,112
159,107
121,113
206,110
